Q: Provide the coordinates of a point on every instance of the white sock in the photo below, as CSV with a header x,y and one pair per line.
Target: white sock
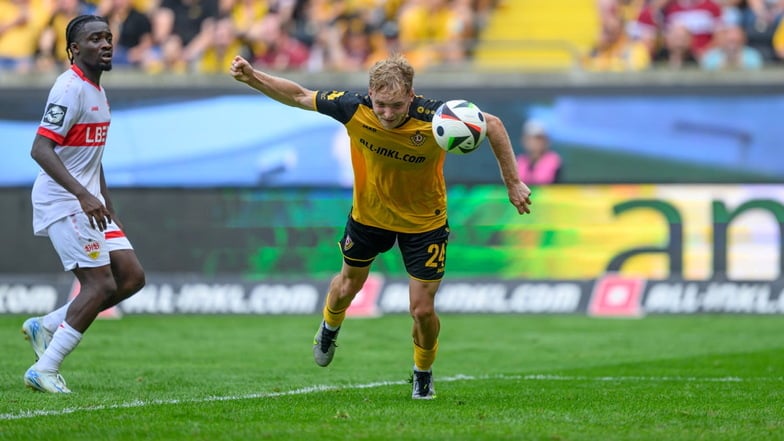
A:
x,y
64,341
331,328
52,320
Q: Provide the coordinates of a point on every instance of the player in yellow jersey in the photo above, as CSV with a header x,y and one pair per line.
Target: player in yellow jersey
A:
x,y
399,194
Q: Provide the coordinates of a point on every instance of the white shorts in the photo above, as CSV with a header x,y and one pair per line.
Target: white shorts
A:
x,y
80,245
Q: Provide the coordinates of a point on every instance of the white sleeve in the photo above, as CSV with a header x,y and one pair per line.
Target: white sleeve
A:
x,y
63,108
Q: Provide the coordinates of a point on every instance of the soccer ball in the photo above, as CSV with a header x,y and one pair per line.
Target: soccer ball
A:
x,y
459,126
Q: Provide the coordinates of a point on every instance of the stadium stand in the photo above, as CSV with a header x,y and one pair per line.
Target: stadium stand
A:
x,y
536,35
349,35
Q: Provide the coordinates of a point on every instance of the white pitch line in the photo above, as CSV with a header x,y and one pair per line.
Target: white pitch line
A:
x,y
322,388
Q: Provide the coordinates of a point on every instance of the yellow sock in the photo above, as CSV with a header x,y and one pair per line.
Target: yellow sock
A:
x,y
333,318
424,358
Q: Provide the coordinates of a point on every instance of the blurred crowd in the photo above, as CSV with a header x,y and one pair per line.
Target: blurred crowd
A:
x,y
202,36
676,34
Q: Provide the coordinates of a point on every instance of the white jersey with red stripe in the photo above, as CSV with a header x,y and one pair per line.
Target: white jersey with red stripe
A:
x,y
76,118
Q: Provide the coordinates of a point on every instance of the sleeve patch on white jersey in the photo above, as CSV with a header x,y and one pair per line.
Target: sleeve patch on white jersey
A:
x,y
55,114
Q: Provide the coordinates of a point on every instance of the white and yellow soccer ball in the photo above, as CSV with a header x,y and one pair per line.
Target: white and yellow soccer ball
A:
x,y
459,126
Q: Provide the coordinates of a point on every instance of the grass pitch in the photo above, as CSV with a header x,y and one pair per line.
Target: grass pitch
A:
x,y
497,377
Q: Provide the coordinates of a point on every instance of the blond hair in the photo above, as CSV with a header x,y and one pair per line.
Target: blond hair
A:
x,y
393,74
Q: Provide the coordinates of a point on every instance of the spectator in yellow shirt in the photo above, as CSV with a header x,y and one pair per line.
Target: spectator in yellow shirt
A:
x,y
616,51
20,23
223,46
51,42
430,33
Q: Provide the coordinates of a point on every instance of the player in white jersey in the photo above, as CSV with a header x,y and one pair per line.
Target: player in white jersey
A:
x,y
71,203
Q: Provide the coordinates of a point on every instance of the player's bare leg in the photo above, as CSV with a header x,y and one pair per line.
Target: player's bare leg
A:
x,y
425,332
342,290
129,277
97,285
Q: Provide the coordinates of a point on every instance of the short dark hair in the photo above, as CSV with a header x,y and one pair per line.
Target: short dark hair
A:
x,y
75,26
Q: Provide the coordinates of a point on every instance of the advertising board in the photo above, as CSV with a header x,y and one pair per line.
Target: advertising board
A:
x,y
600,249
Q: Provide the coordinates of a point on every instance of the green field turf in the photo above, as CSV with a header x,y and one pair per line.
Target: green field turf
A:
x,y
497,378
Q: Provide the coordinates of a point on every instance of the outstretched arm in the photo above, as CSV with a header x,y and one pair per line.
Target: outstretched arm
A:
x,y
277,88
519,193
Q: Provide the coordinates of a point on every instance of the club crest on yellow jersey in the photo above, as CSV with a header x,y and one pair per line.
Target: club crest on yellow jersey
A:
x,y
418,138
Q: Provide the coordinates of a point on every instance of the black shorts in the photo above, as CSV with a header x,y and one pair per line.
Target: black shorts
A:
x,y
424,254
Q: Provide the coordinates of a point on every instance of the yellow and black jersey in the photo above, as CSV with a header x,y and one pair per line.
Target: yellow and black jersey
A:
x,y
399,173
